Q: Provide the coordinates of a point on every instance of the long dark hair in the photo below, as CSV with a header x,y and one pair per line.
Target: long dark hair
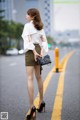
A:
x,y
33,12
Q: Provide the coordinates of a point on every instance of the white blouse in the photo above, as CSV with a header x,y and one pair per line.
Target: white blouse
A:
x,y
33,36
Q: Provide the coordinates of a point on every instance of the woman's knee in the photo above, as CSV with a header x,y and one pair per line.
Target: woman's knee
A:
x,y
38,77
30,78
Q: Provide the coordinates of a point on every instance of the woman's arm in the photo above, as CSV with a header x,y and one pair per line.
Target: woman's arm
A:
x,y
43,43
28,44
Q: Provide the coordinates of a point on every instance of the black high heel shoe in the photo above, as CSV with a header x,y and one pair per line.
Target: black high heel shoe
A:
x,y
42,107
32,114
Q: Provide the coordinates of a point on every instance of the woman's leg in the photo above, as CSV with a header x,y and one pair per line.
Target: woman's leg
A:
x,y
40,82
30,75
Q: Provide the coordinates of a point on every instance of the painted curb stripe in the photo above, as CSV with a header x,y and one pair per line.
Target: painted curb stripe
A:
x,y
57,107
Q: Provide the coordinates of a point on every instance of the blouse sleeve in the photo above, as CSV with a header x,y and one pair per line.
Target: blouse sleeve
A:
x,y
43,41
28,44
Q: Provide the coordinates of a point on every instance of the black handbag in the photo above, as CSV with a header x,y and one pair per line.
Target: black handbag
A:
x,y
44,61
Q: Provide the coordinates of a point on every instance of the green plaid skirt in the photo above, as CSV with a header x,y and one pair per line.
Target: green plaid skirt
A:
x,y
29,56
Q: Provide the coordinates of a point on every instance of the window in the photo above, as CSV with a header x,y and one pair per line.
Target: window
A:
x,y
2,0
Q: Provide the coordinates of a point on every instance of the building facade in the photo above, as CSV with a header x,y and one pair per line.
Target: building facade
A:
x,y
8,7
16,10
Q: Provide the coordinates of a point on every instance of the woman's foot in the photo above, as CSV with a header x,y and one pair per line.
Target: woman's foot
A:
x,y
32,114
41,107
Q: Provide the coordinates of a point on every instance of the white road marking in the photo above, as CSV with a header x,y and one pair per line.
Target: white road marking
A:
x,y
12,64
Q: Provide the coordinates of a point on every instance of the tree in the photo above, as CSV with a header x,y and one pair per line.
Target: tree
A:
x,y
3,36
18,32
50,40
1,16
9,31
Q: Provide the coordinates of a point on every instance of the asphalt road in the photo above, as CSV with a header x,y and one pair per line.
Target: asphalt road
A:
x,y
13,88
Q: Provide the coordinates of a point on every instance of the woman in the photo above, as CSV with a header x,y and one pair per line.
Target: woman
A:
x,y
35,45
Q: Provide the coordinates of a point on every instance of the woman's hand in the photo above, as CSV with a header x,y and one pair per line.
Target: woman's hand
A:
x,y
36,55
42,53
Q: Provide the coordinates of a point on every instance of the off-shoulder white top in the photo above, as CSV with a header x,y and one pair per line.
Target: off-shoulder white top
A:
x,y
33,36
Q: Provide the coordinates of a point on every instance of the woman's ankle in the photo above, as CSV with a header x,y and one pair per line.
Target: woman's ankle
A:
x,y
40,101
31,106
